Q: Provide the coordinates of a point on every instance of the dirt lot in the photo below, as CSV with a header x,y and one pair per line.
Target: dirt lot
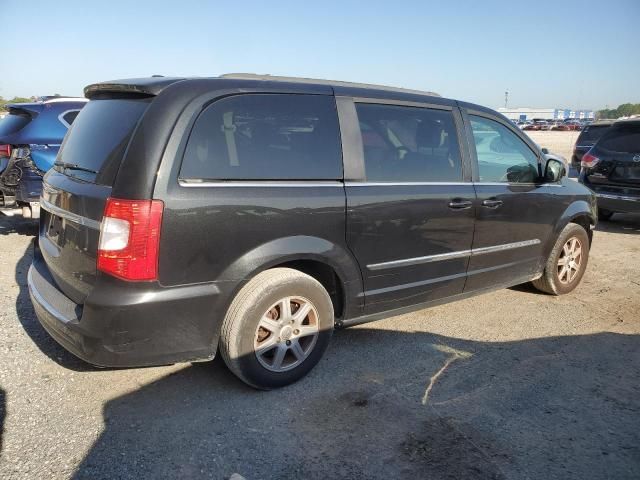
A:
x,y
533,387
557,142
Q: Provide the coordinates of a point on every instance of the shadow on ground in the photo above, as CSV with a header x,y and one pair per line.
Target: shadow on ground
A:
x,y
627,223
566,407
3,414
17,224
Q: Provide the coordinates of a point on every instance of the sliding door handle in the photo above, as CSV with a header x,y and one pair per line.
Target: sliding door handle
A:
x,y
459,204
491,203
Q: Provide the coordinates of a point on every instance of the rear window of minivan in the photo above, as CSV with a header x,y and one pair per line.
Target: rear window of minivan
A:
x,y
265,137
99,137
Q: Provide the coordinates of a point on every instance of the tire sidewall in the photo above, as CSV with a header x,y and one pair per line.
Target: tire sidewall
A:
x,y
572,230
250,367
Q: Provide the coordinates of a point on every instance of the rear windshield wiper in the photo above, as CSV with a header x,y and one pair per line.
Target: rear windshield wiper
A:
x,y
74,166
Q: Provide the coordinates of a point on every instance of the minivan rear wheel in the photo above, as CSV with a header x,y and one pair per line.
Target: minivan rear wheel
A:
x,y
566,263
277,328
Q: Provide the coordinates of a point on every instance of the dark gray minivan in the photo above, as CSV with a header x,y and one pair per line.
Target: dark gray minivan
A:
x,y
254,214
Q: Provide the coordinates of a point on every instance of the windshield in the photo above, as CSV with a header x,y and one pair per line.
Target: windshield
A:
x,y
97,140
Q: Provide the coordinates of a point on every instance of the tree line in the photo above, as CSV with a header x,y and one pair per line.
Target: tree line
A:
x,y
624,110
3,102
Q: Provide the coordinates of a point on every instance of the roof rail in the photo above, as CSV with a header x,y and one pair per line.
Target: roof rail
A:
x,y
62,99
334,83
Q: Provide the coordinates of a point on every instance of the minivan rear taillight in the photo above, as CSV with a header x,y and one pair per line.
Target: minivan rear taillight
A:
x,y
130,239
589,160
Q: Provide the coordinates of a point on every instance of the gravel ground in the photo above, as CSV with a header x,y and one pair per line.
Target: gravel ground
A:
x,y
509,385
557,142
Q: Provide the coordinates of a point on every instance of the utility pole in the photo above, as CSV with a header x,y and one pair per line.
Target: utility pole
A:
x,y
506,98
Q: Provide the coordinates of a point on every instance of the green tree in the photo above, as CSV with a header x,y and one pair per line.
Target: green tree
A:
x,y
624,110
4,102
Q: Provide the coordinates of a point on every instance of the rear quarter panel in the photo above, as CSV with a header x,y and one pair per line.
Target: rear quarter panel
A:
x,y
578,202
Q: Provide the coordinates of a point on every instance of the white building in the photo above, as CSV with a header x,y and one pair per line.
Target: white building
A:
x,y
523,113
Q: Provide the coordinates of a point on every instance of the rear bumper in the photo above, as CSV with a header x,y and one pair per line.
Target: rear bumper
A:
x,y
618,203
129,327
30,187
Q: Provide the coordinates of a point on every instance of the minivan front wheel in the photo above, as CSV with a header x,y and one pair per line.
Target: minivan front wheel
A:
x,y
566,263
277,328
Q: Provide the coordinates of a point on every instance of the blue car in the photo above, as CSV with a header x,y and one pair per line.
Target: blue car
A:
x,y
30,137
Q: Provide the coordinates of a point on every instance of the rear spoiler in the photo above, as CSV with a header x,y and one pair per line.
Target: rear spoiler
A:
x,y
31,109
138,87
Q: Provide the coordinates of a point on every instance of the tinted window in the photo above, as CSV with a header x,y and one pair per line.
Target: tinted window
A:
x,y
622,138
265,137
13,123
591,133
502,155
99,136
409,144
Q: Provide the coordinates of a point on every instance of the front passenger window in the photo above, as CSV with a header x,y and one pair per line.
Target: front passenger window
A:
x,y
502,155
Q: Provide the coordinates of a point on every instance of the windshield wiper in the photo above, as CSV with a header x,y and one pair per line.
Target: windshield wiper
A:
x,y
73,166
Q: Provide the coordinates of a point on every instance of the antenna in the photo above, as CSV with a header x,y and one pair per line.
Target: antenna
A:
x,y
506,98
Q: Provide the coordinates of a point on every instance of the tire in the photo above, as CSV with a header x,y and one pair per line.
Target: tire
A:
x,y
258,318
604,215
554,279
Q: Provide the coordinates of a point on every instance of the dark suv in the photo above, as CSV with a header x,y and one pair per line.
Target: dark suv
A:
x,y
255,214
588,137
611,168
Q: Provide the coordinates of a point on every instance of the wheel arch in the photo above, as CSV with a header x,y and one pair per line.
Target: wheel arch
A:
x,y
580,212
331,264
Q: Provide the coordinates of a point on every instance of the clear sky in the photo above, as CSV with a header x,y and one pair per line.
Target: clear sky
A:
x,y
575,54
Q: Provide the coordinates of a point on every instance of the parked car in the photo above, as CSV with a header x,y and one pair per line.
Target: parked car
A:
x,y
611,168
574,124
30,137
523,124
562,126
587,139
251,215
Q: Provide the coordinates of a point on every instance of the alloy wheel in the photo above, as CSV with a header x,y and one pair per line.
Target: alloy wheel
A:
x,y
569,260
286,334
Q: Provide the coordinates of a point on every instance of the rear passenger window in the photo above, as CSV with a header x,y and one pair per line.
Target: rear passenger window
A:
x,y
265,137
409,144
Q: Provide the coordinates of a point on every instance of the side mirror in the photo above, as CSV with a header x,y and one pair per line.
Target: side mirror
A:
x,y
554,170
545,150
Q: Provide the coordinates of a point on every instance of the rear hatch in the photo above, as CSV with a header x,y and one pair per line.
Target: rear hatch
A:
x,y
588,138
75,191
618,151
10,128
